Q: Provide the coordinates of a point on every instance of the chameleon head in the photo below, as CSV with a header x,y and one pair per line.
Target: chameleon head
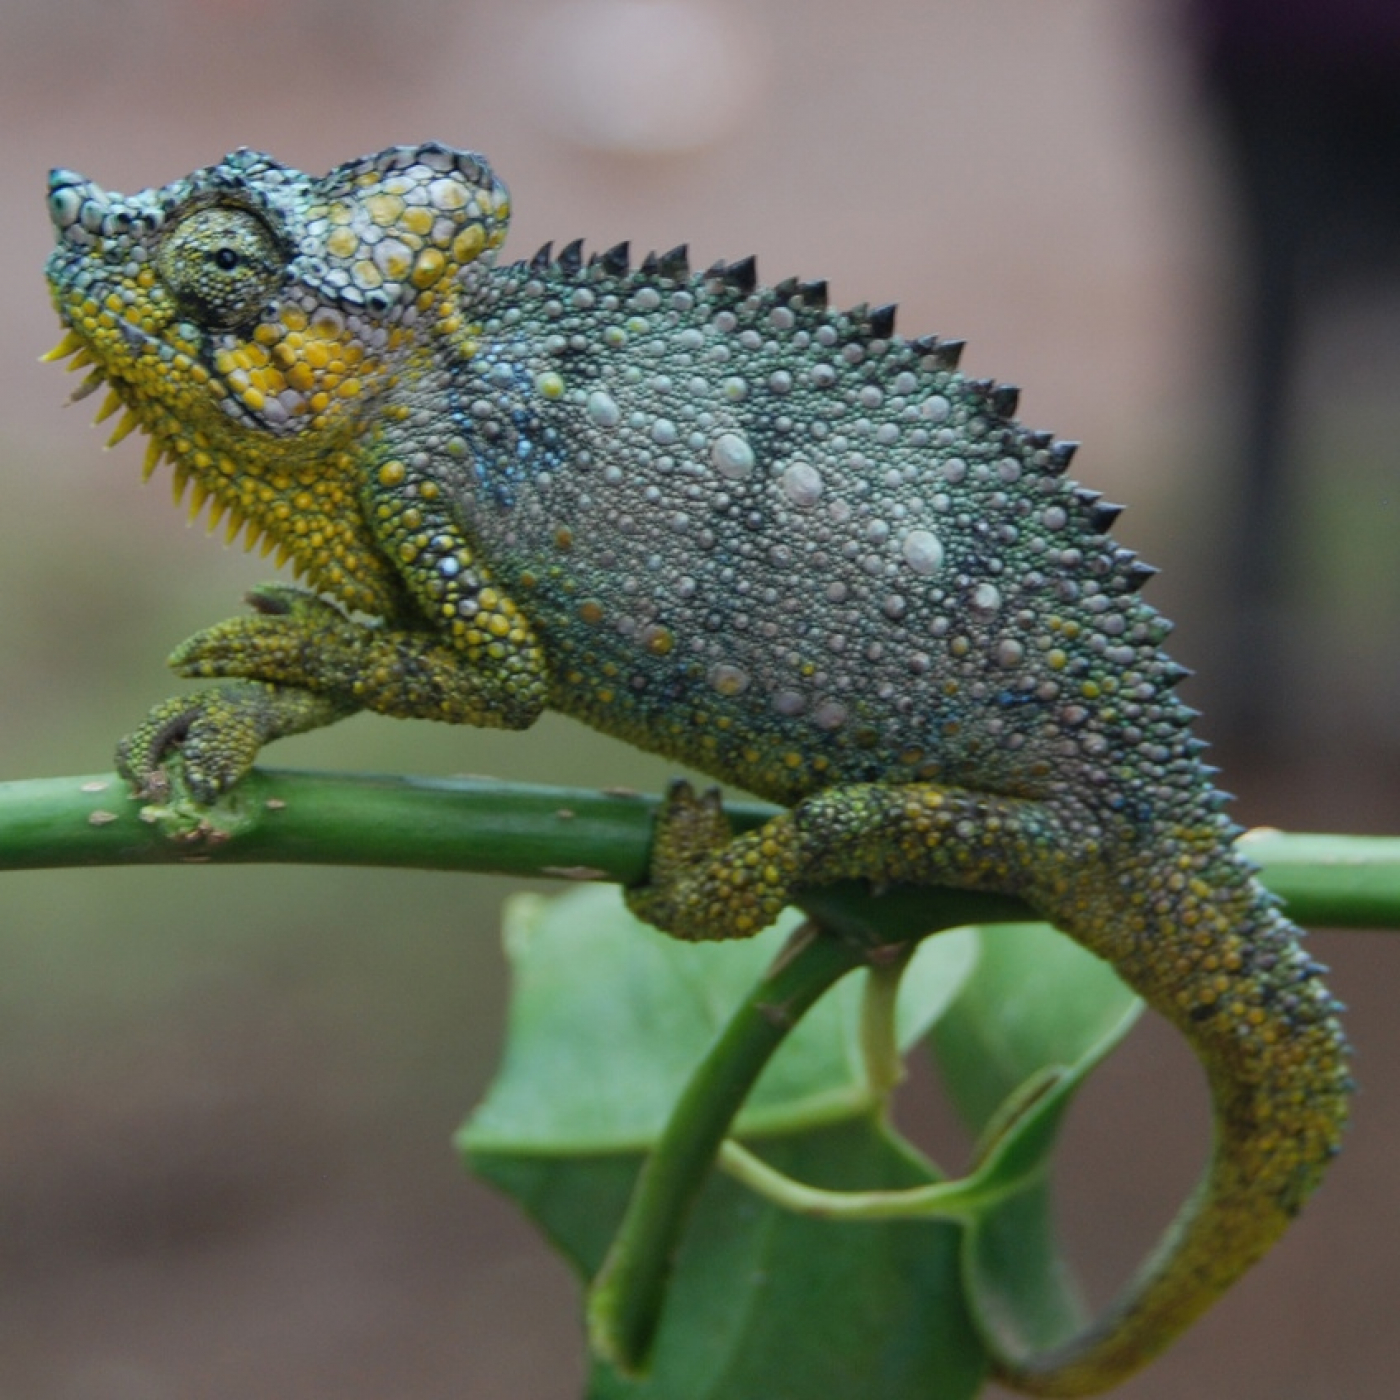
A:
x,y
249,316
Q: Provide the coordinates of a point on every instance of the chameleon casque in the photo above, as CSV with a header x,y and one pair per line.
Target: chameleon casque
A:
x,y
728,523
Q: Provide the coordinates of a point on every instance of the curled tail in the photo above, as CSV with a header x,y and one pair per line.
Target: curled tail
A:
x,y
1205,945
1181,918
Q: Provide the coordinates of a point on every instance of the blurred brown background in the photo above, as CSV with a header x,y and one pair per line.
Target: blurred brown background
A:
x,y
225,1096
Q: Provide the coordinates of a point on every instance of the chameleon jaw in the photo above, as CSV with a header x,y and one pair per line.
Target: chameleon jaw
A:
x,y
74,348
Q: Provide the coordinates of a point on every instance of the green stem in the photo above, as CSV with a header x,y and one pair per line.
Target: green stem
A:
x,y
958,1200
879,1031
340,819
1327,880
625,1301
513,829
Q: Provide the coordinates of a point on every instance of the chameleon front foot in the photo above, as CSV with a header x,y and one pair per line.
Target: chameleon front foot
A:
x,y
292,637
217,733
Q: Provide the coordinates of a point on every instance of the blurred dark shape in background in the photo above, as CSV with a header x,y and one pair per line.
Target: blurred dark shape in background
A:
x,y
1305,98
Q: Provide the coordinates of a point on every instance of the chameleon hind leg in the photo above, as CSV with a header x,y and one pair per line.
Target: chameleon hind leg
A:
x,y
1184,923
705,883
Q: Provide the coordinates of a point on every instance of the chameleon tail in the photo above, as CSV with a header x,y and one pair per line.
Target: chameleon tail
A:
x,y
1208,949
1178,914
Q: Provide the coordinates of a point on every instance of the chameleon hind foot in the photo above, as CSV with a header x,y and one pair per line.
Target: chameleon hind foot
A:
x,y
702,883
705,883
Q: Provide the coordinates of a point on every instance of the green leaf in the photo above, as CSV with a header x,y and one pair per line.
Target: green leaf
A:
x,y
772,1304
1036,1017
608,1018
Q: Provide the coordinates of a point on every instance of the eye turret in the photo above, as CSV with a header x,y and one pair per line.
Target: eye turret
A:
x,y
222,265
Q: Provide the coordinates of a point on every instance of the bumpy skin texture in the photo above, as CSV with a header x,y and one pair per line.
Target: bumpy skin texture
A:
x,y
726,523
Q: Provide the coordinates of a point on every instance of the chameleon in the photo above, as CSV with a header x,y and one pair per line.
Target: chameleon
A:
x,y
729,523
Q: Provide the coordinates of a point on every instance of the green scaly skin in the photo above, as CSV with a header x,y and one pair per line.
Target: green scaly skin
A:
x,y
729,524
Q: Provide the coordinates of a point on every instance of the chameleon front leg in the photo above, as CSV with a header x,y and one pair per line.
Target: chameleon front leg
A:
x,y
217,733
1184,923
299,662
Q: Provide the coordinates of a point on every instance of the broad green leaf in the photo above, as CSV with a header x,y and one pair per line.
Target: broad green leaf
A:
x,y
1028,1027
608,1018
607,1021
770,1304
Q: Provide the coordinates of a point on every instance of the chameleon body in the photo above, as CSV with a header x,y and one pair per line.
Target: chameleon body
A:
x,y
727,523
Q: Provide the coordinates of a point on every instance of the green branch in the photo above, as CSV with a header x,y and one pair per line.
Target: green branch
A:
x,y
329,819
513,829
624,1304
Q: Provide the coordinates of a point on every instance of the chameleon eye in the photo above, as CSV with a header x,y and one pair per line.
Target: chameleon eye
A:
x,y
222,265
